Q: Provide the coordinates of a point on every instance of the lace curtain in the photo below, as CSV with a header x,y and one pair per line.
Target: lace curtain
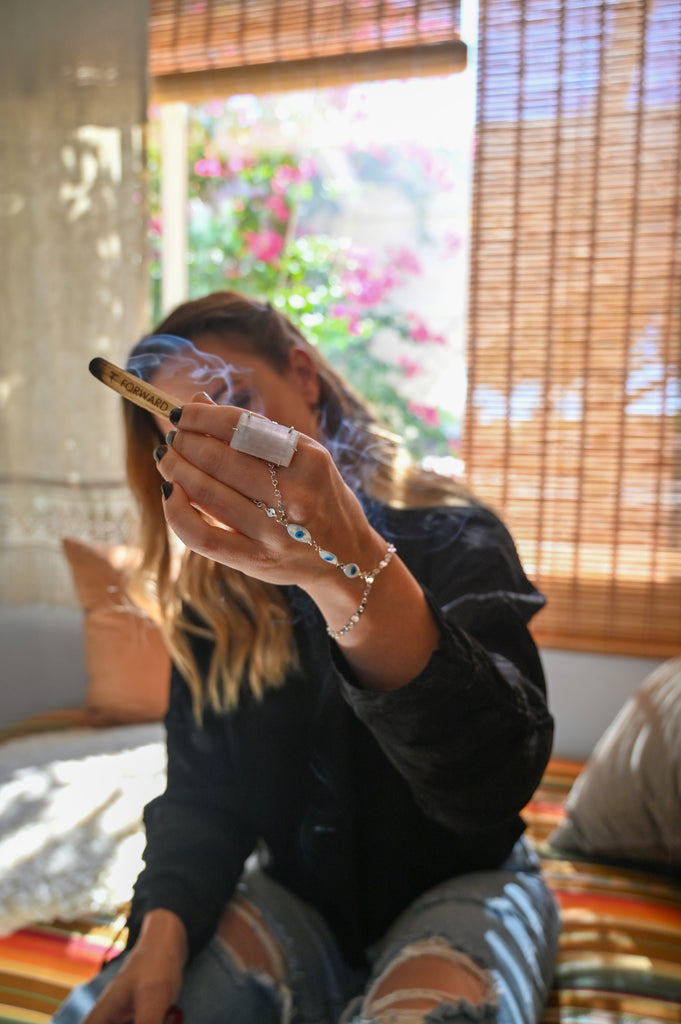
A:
x,y
72,223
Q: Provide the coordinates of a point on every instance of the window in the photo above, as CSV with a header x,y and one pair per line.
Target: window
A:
x,y
573,414
572,421
345,204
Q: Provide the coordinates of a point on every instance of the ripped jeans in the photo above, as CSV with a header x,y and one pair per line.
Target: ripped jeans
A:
x,y
503,924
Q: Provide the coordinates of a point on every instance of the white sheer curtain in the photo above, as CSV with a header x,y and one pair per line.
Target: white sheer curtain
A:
x,y
72,230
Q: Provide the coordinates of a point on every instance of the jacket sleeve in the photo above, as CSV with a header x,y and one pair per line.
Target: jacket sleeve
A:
x,y
472,733
198,836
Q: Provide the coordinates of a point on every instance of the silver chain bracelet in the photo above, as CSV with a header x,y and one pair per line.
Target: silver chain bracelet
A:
x,y
302,535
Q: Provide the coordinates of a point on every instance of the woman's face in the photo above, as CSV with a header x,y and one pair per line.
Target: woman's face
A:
x,y
232,376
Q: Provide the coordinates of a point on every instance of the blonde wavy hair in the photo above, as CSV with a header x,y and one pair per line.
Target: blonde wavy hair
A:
x,y
247,621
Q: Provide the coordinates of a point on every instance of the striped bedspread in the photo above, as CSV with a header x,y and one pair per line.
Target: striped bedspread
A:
x,y
40,965
619,961
620,948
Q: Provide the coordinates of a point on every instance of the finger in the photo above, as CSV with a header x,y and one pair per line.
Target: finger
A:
x,y
245,475
112,1007
205,399
212,456
203,417
215,497
213,541
153,1007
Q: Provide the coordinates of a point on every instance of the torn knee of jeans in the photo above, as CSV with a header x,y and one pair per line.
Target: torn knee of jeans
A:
x,y
249,938
418,986
278,992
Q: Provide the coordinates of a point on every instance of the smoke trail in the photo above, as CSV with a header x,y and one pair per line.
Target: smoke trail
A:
x,y
226,383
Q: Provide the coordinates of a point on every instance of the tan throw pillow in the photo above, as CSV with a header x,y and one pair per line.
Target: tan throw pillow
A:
x,y
626,802
127,660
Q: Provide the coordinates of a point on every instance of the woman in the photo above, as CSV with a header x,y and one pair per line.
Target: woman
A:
x,y
357,711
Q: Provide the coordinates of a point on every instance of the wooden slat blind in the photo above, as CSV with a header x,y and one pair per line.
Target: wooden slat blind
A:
x,y
573,426
214,47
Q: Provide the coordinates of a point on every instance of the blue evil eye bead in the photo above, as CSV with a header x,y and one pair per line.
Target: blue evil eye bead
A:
x,y
351,569
328,556
299,533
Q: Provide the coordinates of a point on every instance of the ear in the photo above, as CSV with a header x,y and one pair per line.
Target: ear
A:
x,y
305,372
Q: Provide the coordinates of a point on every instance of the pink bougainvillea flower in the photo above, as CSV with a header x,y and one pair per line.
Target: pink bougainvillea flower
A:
x,y
278,207
237,163
420,333
363,289
265,245
364,279
405,259
426,159
208,167
428,413
284,176
379,153
410,366
368,286
306,168
451,243
155,225
343,312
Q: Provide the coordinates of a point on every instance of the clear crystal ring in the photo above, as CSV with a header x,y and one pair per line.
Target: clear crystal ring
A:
x,y
265,439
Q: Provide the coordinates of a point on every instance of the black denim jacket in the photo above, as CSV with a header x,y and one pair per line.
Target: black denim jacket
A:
x,y
358,801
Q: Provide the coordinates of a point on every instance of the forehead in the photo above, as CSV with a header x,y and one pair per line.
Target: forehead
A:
x,y
195,362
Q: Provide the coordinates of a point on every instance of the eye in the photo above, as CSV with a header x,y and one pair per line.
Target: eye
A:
x,y
242,399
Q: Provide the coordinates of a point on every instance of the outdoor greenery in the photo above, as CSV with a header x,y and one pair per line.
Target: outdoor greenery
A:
x,y
261,218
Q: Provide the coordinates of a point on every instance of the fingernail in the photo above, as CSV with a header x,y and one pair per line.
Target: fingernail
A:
x,y
174,1016
166,488
170,436
174,415
159,452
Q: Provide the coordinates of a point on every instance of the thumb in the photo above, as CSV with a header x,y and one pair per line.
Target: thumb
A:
x,y
200,396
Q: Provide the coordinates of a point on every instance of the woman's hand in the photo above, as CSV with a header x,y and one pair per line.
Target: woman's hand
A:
x,y
212,505
212,509
146,988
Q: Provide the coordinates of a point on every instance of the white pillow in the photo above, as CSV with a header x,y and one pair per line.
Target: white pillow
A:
x,y
626,802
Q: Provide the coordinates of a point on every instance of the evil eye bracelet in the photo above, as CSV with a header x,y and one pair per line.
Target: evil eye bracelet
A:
x,y
303,536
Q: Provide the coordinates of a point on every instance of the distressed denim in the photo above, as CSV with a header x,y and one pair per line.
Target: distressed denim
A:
x,y
505,921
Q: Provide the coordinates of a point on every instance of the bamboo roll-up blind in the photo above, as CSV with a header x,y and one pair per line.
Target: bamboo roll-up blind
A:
x,y
218,47
573,427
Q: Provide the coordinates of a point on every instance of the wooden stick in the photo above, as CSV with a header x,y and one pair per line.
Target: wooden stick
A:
x,y
131,387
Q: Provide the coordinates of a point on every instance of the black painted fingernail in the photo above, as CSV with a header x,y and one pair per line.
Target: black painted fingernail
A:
x,y
166,488
174,415
170,436
159,452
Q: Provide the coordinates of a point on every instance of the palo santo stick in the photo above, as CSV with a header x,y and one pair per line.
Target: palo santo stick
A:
x,y
131,387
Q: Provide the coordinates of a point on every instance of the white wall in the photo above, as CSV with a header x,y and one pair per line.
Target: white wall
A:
x,y
585,693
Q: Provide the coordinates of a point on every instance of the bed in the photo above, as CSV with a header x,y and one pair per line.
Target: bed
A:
x,y
71,841
620,952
